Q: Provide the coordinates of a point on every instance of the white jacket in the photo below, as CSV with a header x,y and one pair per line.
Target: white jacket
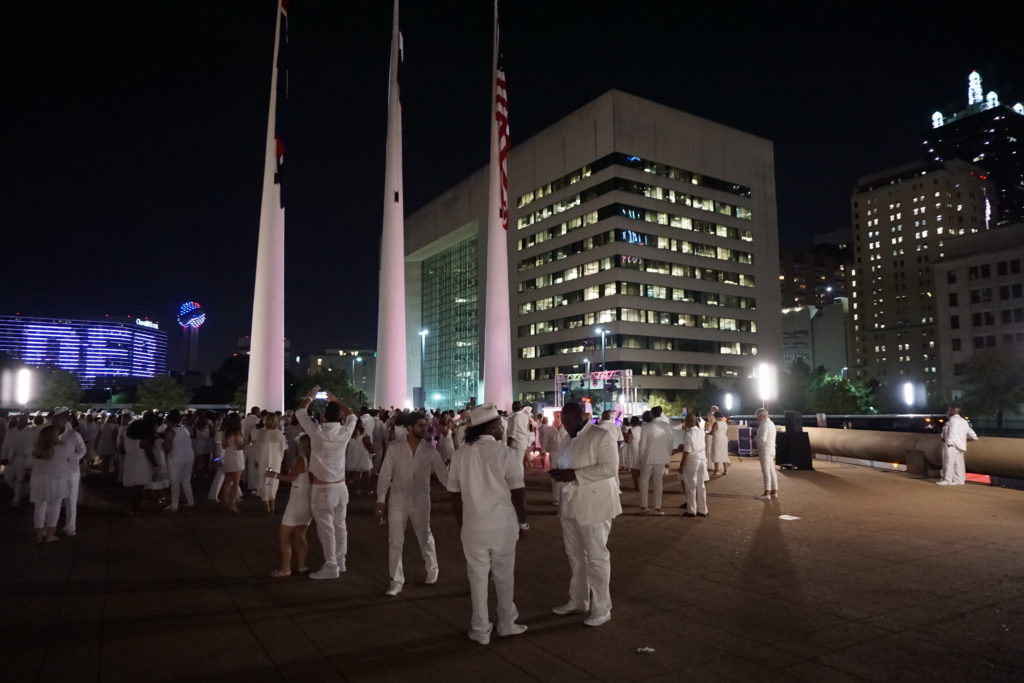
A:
x,y
957,433
328,443
656,442
594,496
765,438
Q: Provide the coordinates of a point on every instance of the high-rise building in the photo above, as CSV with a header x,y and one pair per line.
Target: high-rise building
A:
x,y
813,277
638,236
979,295
989,134
903,220
90,349
818,336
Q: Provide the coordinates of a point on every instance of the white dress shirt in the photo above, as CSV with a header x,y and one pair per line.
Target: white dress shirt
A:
x,y
328,444
957,432
485,473
765,438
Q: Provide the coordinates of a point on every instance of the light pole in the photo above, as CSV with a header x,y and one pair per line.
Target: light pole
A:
x,y
767,383
423,362
587,361
355,359
604,386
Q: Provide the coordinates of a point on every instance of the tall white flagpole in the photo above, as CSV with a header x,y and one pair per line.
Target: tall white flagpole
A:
x,y
266,351
497,326
391,389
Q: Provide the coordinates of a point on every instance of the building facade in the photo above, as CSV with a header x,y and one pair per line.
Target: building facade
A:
x,y
979,294
991,135
813,277
904,220
818,336
90,349
638,236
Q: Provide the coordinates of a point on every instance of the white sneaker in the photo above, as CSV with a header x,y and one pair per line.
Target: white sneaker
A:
x,y
764,497
567,608
69,532
482,638
512,629
325,572
942,482
597,620
394,589
431,577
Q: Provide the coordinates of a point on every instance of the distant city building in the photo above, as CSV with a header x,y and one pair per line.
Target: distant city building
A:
x,y
904,220
818,336
638,233
813,277
989,134
359,365
90,349
842,238
979,294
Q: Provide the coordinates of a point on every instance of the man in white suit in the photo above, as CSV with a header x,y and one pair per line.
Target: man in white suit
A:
x,y
765,441
589,483
955,435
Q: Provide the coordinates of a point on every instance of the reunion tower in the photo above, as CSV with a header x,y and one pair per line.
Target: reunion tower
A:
x,y
191,317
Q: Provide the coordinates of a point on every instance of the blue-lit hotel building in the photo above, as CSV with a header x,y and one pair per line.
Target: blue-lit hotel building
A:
x,y
87,348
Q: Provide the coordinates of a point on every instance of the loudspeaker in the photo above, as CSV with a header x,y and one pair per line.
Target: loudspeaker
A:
x,y
794,421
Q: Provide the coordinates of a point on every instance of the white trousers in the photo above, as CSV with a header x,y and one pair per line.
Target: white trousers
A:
x,y
252,469
179,471
771,475
268,488
953,469
14,476
218,481
46,514
329,504
694,470
71,502
647,473
491,552
399,515
586,546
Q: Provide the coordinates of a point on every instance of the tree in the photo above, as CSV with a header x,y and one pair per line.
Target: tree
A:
x,y
61,388
834,395
672,403
224,381
993,383
161,393
335,382
709,394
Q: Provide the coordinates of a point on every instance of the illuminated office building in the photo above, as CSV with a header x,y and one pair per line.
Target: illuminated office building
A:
x,y
904,219
632,224
87,348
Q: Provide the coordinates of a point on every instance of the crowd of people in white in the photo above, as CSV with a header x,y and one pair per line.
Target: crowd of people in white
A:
x,y
479,455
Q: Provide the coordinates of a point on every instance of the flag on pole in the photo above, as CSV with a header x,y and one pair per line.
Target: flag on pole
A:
x,y
501,115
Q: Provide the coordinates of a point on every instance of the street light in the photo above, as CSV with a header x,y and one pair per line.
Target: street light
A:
x,y
728,404
423,361
587,373
355,359
908,394
604,386
767,383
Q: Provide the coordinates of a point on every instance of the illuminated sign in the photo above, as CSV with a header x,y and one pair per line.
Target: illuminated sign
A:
x,y
89,349
974,95
147,323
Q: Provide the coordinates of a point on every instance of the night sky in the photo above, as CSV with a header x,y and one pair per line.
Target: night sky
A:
x,y
135,131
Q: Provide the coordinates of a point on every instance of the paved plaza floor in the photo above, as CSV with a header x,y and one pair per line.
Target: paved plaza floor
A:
x,y
882,577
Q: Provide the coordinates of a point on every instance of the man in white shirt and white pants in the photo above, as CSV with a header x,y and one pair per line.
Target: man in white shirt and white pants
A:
x,y
955,435
588,469
329,495
489,501
693,467
765,441
406,472
656,443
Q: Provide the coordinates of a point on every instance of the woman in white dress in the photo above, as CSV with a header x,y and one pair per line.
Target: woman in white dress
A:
x,y
269,446
233,460
297,514
106,444
48,486
359,460
720,444
139,458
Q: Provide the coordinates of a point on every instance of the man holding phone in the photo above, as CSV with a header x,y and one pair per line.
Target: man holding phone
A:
x,y
329,494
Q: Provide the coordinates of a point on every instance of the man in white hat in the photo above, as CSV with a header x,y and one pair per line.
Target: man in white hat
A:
x,y
406,473
69,451
588,468
489,502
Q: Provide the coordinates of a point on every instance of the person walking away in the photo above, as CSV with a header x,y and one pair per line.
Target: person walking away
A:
x,y
140,459
692,469
68,454
232,461
406,473
765,441
359,458
297,514
720,444
518,432
48,485
955,435
106,444
489,501
17,450
656,442
328,493
631,450
588,470
180,460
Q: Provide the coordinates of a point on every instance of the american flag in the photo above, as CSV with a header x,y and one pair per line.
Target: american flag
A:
x,y
501,115
282,94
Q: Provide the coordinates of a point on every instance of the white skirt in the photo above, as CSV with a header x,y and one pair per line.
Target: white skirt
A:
x,y
48,484
137,470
